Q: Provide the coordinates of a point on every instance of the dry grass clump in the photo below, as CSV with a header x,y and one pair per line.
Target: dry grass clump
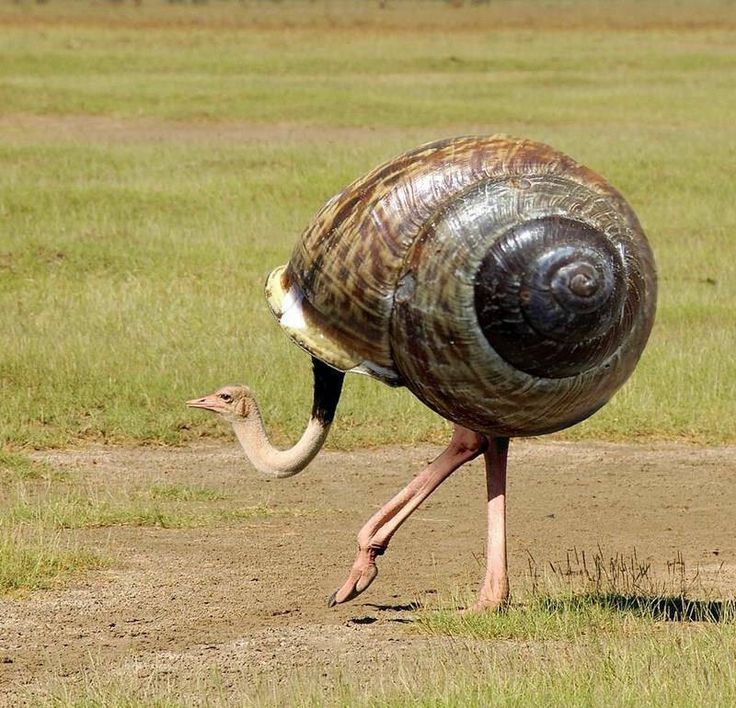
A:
x,y
588,594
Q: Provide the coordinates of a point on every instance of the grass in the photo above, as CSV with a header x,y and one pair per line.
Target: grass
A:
x,y
579,617
589,595
397,15
15,467
651,666
78,506
154,172
569,617
40,562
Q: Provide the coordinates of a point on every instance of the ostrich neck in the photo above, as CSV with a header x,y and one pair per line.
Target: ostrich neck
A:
x,y
270,460
285,463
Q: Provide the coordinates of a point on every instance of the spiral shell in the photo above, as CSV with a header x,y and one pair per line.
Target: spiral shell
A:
x,y
511,289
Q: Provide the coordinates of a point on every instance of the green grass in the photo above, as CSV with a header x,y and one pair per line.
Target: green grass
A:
x,y
577,617
166,506
569,617
133,250
15,467
39,563
589,596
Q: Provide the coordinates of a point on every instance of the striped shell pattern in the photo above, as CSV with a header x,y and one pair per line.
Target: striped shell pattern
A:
x,y
511,289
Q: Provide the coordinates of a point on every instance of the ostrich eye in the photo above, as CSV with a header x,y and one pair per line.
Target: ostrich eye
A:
x,y
225,397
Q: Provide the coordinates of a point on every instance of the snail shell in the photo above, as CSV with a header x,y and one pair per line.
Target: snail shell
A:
x,y
511,289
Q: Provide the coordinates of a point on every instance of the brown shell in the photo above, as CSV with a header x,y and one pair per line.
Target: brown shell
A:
x,y
385,281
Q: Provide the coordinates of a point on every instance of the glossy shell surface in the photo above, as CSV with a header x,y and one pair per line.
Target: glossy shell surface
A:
x,y
509,288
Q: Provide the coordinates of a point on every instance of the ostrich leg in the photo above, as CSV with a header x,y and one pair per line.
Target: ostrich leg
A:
x,y
376,534
494,592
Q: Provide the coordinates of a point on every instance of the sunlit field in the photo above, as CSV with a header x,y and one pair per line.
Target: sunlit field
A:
x,y
158,160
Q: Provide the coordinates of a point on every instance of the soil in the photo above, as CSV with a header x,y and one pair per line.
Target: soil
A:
x,y
250,598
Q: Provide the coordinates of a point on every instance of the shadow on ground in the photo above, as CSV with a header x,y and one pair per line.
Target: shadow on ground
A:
x,y
660,608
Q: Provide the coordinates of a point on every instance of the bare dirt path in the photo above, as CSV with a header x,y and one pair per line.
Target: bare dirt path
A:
x,y
249,598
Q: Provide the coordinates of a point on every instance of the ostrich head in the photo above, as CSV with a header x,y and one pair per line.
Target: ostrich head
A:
x,y
237,406
233,403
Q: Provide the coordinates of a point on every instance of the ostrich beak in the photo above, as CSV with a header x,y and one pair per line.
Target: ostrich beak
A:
x,y
208,403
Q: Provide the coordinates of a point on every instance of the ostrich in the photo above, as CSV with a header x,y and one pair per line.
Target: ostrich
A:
x,y
509,288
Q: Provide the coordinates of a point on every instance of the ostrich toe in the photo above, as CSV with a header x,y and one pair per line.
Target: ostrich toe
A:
x,y
362,574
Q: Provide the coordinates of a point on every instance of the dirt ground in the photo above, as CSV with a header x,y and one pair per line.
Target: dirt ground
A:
x,y
249,599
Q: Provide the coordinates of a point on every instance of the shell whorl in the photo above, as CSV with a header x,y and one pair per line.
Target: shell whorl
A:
x,y
549,297
509,288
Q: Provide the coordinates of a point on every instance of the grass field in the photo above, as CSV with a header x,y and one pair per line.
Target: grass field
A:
x,y
156,165
157,161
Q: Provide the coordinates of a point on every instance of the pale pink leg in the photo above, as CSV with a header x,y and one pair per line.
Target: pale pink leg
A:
x,y
494,592
376,534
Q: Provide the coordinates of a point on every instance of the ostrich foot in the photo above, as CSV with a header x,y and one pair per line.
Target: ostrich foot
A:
x,y
487,604
362,574
493,597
